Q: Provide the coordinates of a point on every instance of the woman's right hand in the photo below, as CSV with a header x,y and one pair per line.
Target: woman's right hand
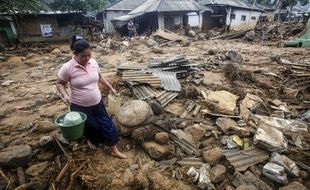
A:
x,y
67,100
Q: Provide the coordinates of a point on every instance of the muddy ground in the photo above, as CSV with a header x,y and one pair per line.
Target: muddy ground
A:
x,y
29,105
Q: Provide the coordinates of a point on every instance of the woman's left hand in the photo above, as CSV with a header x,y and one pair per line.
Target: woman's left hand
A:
x,y
114,91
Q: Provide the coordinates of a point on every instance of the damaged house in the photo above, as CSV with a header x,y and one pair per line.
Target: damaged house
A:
x,y
230,15
118,9
159,14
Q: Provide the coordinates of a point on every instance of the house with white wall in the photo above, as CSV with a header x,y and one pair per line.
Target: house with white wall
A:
x,y
230,15
159,14
119,8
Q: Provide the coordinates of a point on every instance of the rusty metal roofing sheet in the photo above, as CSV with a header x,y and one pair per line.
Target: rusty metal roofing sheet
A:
x,y
141,77
242,159
144,92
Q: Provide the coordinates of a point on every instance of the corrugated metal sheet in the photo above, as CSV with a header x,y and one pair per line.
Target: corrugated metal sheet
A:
x,y
141,77
168,6
125,5
242,159
144,92
233,3
168,79
166,97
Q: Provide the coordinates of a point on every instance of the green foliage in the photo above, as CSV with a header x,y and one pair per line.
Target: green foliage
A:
x,y
77,5
21,5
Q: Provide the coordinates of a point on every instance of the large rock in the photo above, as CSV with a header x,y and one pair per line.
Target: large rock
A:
x,y
196,131
212,156
250,35
249,179
37,169
155,150
15,156
294,186
234,56
162,138
201,36
230,127
192,33
134,113
247,187
218,173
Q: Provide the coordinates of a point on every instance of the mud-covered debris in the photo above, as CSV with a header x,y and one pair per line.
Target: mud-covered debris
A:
x,y
204,181
247,187
142,134
249,179
193,173
37,169
275,173
212,156
7,83
15,156
250,35
46,141
294,186
151,43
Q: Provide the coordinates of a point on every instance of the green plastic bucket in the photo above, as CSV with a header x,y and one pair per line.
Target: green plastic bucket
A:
x,y
71,132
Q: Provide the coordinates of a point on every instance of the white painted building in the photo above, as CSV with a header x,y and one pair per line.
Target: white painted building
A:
x,y
230,14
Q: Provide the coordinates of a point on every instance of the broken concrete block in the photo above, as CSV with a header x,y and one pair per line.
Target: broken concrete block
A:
x,y
234,56
270,139
15,156
294,186
162,138
37,169
204,177
230,127
151,43
196,131
218,173
222,102
212,156
249,179
155,150
290,166
134,113
275,173
281,124
250,35
249,104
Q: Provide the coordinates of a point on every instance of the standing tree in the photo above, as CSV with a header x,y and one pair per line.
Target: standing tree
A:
x,y
12,6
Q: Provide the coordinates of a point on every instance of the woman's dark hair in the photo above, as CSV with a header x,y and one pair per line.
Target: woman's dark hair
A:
x,y
78,44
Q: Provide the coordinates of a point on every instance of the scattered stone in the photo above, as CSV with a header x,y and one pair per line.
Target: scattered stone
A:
x,y
7,83
212,156
294,186
193,173
212,51
290,166
212,33
250,35
162,138
303,174
134,113
192,33
151,43
196,131
234,56
3,58
185,43
45,127
275,173
15,156
37,169
56,51
142,134
230,127
201,36
218,173
275,58
99,48
155,150
46,141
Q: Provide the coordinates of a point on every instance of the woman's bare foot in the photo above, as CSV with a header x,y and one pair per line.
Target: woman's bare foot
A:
x,y
115,152
91,145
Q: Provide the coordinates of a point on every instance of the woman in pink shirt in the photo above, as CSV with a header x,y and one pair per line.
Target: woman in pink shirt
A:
x,y
82,72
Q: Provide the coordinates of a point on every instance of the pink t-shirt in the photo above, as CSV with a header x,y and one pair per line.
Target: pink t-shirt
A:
x,y
83,80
